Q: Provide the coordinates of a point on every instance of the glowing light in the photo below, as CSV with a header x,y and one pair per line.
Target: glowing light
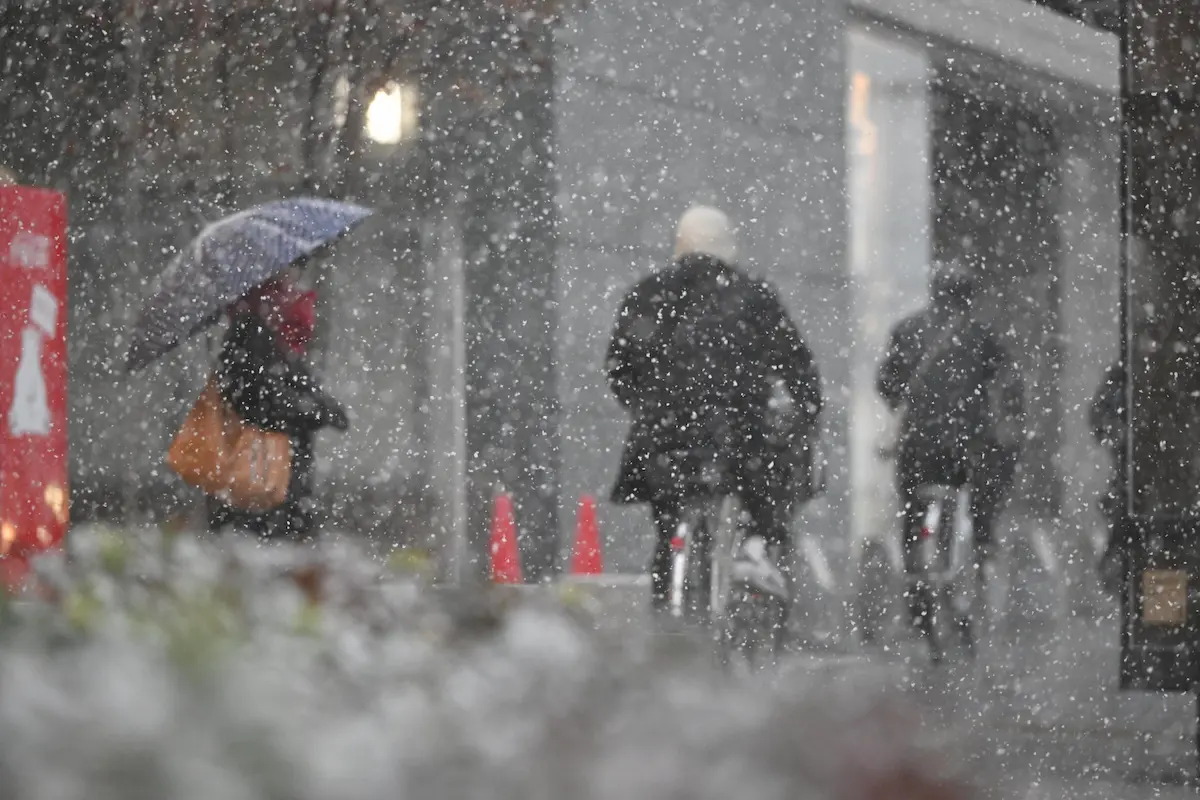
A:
x,y
56,498
393,115
860,114
8,535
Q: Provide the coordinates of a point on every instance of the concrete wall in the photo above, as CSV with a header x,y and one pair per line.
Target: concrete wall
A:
x,y
662,104
1089,271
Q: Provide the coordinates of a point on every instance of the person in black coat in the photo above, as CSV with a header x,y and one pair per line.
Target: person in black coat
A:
x,y
1107,419
263,377
695,352
941,371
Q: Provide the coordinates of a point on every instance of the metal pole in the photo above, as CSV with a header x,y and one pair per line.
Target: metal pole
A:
x,y
447,441
1126,452
131,220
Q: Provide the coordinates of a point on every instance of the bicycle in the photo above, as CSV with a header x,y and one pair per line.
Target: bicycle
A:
x,y
951,581
734,600
698,478
753,632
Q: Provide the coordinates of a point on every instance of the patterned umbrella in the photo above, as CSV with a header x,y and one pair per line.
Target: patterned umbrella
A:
x,y
229,258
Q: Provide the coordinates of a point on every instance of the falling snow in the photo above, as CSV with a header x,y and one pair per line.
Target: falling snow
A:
x,y
934,332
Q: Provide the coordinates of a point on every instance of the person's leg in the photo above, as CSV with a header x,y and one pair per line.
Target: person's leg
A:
x,y
912,511
215,513
666,520
764,494
223,517
1112,563
295,520
990,481
299,519
760,488
274,525
1112,506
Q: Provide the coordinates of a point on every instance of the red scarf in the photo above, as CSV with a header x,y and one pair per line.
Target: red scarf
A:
x,y
286,310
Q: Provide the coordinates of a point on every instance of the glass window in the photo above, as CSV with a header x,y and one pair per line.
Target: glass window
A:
x,y
887,124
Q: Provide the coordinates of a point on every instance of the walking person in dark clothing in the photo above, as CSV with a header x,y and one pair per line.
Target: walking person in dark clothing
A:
x,y
940,373
696,351
264,380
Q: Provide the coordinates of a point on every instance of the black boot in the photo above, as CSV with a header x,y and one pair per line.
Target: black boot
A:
x,y
1111,570
660,578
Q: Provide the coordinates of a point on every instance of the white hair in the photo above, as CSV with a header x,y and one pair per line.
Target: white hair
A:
x,y
704,230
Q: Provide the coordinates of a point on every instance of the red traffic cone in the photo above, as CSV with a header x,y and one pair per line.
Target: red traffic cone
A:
x,y
505,557
586,559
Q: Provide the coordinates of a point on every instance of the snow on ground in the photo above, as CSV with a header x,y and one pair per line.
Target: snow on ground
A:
x,y
170,667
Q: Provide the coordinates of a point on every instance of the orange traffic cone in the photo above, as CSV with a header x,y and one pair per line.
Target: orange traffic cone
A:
x,y
586,559
505,556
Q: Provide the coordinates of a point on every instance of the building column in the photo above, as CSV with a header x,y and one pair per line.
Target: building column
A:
x,y
1161,196
490,144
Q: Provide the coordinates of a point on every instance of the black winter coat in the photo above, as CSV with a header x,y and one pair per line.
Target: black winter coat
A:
x,y
969,361
271,389
1107,419
757,343
1106,414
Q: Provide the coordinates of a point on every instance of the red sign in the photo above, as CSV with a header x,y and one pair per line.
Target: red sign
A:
x,y
33,372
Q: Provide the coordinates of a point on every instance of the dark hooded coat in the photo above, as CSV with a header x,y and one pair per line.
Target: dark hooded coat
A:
x,y
669,374
1107,419
270,388
965,384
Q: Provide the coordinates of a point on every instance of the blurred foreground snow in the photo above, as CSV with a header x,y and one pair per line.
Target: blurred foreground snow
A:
x,y
167,668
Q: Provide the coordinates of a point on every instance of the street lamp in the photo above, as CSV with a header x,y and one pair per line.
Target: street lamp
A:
x,y
393,115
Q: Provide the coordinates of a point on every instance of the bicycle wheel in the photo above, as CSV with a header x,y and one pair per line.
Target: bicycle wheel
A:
x,y
959,581
978,609
954,601
737,636
725,539
753,627
753,632
925,594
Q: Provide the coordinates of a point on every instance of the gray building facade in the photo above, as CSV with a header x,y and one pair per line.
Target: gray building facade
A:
x,y
540,176
852,142
661,105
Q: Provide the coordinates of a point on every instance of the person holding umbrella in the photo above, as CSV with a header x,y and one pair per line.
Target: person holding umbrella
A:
x,y
248,442
263,378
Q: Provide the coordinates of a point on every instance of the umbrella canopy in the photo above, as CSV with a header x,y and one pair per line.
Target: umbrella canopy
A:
x,y
229,258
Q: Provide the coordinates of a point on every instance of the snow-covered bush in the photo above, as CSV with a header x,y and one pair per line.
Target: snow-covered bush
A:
x,y
170,668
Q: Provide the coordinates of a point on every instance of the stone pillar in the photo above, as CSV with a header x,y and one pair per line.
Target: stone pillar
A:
x,y
491,127
1161,190
1162,219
